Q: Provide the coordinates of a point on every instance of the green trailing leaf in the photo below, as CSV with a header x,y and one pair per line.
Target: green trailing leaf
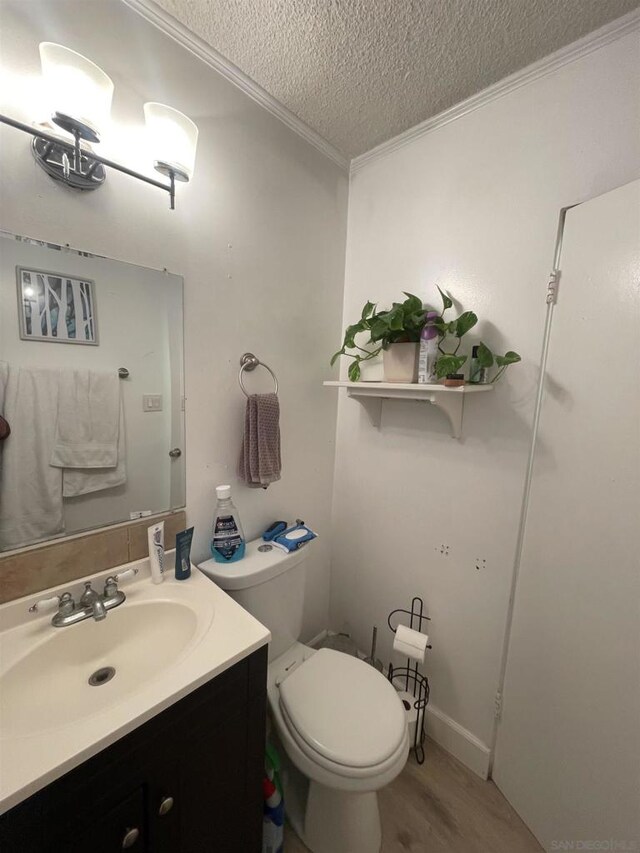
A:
x,y
447,364
396,319
508,358
350,335
464,323
354,370
368,310
484,355
503,361
378,330
446,301
336,356
412,303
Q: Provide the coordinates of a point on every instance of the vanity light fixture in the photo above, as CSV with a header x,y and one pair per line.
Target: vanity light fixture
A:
x,y
79,97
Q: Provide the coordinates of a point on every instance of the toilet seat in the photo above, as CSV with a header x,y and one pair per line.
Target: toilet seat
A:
x,y
343,714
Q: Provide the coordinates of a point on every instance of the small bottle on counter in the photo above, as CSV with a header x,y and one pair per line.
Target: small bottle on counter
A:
x,y
183,554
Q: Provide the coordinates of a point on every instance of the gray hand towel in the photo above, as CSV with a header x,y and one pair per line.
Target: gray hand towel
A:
x,y
259,463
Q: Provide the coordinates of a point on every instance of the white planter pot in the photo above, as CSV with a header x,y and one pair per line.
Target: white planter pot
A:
x,y
401,363
372,370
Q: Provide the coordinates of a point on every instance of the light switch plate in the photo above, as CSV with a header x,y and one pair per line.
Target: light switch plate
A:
x,y
152,402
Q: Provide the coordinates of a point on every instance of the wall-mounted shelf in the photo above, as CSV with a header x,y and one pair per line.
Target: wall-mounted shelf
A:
x,y
449,400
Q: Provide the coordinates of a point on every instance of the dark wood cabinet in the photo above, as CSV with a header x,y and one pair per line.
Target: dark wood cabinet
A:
x,y
187,781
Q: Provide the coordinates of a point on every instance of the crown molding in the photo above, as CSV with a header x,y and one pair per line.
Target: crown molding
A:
x,y
198,47
576,50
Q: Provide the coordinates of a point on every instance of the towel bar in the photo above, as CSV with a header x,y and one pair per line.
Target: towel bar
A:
x,y
249,362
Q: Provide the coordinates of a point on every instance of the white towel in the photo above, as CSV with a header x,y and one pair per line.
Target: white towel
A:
x,y
30,489
88,420
83,481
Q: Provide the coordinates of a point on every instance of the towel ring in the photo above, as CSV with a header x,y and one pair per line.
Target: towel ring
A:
x,y
249,362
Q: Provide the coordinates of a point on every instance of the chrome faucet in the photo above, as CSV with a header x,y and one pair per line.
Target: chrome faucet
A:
x,y
90,600
92,605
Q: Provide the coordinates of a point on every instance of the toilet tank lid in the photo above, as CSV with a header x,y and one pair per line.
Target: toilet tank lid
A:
x,y
255,568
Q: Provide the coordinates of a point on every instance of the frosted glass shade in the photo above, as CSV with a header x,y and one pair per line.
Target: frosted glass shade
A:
x,y
172,139
75,86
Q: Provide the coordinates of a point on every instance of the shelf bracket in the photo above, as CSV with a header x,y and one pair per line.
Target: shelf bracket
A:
x,y
372,406
453,406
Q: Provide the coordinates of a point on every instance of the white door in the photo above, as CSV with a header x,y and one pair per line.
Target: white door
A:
x,y
568,748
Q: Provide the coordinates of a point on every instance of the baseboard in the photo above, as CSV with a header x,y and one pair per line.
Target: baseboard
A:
x,y
457,740
313,642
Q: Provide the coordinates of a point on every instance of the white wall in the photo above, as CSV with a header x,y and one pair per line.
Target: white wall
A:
x,y
471,206
258,236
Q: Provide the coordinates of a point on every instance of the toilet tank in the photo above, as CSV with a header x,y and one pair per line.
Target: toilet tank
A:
x,y
270,585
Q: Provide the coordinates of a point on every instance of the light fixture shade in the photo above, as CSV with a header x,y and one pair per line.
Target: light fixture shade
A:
x,y
173,139
76,87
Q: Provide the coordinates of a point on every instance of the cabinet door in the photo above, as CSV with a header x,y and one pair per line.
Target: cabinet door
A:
x,y
164,807
123,827
213,789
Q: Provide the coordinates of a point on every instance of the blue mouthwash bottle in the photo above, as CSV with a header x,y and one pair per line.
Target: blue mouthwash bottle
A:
x,y
228,542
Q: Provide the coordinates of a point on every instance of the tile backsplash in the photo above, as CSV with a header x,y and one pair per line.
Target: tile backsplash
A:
x,y
43,566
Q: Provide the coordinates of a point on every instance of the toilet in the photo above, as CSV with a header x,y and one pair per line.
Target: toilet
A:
x,y
339,723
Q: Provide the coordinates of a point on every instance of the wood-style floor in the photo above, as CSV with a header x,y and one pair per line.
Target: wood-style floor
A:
x,y
442,807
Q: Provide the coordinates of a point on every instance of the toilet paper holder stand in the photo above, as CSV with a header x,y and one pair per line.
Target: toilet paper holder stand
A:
x,y
409,680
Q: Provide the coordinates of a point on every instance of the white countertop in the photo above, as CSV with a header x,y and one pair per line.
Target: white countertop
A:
x,y
225,634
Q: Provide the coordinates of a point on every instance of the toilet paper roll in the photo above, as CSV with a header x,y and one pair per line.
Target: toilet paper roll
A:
x,y
411,643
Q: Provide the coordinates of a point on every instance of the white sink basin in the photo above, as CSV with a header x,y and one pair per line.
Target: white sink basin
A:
x,y
138,640
163,642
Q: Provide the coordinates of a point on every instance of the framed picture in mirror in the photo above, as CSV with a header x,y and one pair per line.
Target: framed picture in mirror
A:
x,y
57,308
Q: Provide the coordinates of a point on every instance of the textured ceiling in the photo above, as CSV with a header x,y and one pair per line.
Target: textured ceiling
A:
x,y
361,71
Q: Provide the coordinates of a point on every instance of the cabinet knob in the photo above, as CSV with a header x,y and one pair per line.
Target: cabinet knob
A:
x,y
130,838
175,453
166,804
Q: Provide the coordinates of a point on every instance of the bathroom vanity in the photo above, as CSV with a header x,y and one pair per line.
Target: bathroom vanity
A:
x,y
171,764
187,781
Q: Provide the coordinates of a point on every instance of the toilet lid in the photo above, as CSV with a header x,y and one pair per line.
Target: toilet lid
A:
x,y
344,709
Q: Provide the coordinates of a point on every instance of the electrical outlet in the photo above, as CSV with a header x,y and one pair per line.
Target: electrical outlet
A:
x,y
152,402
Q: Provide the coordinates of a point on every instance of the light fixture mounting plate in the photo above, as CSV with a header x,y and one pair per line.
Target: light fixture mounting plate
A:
x,y
51,157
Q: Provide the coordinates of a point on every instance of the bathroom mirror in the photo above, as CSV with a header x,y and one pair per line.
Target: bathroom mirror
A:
x,y
91,391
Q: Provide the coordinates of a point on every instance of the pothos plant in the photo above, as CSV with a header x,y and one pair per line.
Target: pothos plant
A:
x,y
451,333
403,323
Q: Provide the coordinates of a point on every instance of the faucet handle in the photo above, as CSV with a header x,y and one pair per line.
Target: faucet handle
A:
x,y
111,583
45,604
64,603
127,575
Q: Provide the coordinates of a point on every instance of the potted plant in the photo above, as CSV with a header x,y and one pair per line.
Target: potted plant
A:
x,y
394,333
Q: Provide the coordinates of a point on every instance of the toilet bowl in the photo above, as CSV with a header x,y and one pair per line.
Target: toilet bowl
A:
x,y
343,727
340,724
